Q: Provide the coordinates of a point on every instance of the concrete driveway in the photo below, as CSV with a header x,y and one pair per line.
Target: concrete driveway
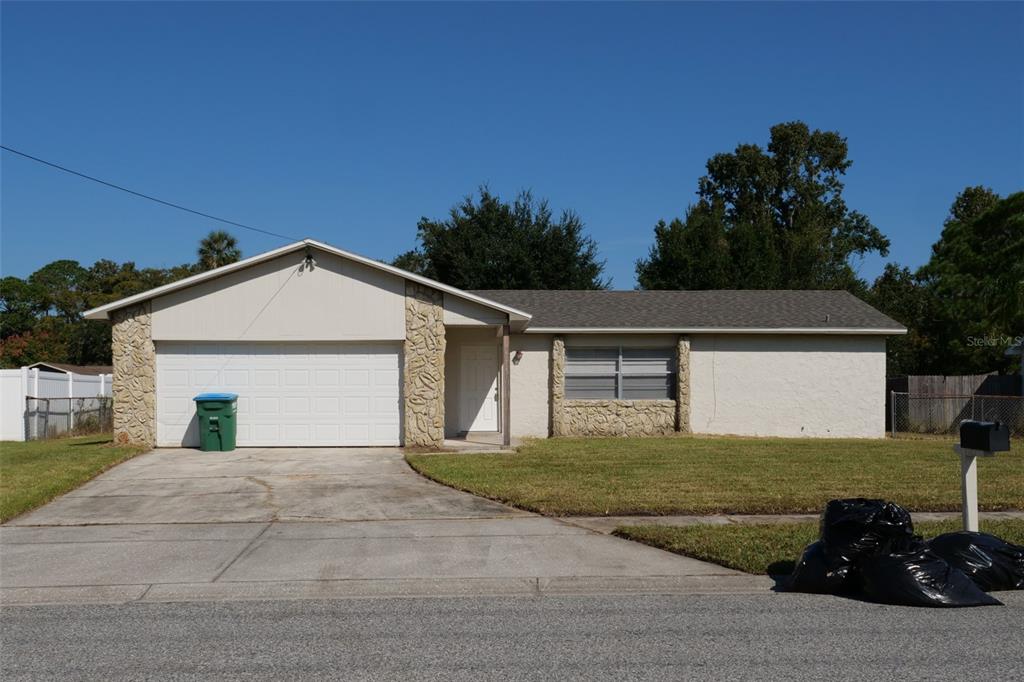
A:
x,y
176,525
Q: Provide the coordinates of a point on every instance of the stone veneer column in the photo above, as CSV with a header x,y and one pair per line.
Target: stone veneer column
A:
x,y
683,385
134,387
423,378
558,427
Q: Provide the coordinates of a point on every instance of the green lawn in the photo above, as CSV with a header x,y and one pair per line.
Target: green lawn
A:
x,y
697,475
774,547
35,472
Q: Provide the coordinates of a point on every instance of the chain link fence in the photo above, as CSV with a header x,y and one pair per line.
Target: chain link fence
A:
x,y
912,414
61,417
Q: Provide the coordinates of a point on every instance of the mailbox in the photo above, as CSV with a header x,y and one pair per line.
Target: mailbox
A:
x,y
988,436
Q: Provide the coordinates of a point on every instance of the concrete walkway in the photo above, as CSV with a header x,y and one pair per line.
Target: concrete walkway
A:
x,y
607,524
180,525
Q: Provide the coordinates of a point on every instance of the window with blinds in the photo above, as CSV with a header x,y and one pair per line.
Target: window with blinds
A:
x,y
620,373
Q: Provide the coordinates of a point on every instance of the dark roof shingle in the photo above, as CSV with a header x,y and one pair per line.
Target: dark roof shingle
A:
x,y
718,309
92,370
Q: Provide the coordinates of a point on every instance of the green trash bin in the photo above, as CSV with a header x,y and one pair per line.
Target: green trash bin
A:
x,y
216,412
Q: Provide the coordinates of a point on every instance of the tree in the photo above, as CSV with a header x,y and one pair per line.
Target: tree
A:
x,y
41,316
20,306
976,277
966,304
690,254
490,244
24,349
216,249
900,294
59,286
777,217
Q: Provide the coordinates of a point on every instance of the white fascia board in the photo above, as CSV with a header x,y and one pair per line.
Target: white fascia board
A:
x,y
103,312
714,330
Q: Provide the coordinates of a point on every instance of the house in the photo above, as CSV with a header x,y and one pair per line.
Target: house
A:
x,y
1017,350
64,368
329,348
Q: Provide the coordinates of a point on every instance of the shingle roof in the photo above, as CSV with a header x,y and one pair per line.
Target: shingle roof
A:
x,y
76,369
721,309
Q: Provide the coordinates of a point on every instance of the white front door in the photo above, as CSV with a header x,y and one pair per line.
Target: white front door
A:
x,y
314,394
478,394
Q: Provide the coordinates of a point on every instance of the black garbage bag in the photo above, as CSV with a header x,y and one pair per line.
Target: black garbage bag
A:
x,y
917,576
856,528
851,530
991,562
815,575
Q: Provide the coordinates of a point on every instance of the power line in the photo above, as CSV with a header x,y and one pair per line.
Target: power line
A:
x,y
146,196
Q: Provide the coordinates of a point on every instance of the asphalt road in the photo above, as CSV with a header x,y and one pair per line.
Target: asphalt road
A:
x,y
656,638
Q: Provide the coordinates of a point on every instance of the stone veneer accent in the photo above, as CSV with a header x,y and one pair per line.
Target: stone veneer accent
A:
x,y
683,384
558,427
423,378
134,375
619,417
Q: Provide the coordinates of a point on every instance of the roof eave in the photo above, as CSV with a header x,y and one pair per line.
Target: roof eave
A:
x,y
859,331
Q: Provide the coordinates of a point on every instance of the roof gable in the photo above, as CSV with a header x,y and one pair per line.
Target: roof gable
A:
x,y
103,312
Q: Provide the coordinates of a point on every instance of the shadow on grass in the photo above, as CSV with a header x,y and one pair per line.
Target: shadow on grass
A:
x,y
83,441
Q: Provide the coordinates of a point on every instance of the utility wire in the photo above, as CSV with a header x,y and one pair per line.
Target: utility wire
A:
x,y
146,196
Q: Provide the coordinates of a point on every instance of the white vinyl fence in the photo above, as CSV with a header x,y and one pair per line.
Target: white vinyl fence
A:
x,y
39,404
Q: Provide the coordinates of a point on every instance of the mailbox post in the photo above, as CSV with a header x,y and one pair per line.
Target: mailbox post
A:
x,y
977,439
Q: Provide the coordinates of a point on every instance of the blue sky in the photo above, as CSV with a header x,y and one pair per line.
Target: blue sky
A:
x,y
347,122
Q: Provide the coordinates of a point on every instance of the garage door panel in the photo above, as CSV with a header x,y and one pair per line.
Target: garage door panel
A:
x,y
327,406
266,377
289,393
385,433
205,377
266,407
296,406
266,433
386,378
357,406
236,378
358,432
327,377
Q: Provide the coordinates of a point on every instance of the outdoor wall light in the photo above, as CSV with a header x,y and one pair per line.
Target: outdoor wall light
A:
x,y
516,357
308,263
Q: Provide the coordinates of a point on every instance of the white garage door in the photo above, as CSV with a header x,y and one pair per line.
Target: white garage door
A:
x,y
289,393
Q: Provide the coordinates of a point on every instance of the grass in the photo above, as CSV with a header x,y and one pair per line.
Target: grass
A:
x,y
35,472
697,475
773,548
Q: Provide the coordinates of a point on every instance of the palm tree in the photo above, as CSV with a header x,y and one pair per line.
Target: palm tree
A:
x,y
216,249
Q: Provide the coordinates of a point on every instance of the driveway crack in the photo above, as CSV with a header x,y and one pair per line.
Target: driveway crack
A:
x,y
275,509
249,547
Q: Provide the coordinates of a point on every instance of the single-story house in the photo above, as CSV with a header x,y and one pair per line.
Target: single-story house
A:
x,y
328,348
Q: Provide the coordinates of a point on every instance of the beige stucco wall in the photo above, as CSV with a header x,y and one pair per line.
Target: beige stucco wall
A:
x,y
767,385
628,340
338,300
530,383
459,311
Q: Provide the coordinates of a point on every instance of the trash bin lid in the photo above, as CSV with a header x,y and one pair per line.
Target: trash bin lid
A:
x,y
206,397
